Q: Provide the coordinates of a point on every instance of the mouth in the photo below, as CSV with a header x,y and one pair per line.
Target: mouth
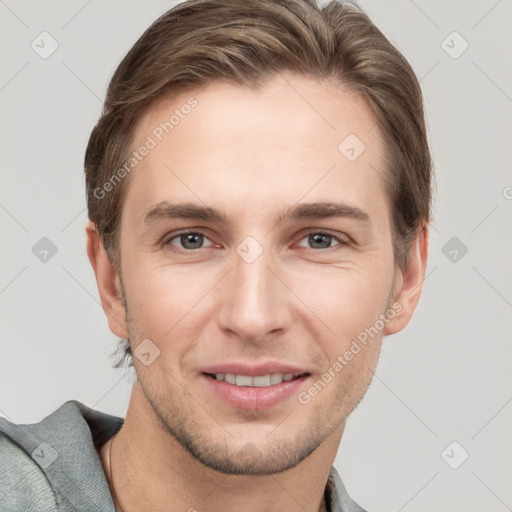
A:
x,y
253,388
257,381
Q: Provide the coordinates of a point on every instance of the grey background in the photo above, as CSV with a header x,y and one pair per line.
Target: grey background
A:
x,y
445,378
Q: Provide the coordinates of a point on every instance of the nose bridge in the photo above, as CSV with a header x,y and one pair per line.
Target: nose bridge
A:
x,y
254,303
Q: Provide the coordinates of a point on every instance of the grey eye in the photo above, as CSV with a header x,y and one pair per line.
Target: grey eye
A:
x,y
319,240
189,241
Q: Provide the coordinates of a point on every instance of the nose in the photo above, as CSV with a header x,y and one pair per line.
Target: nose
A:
x,y
255,302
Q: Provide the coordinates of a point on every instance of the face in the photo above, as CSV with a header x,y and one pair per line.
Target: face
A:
x,y
256,251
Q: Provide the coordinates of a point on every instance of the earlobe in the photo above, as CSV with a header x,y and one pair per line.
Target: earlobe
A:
x,y
411,280
108,282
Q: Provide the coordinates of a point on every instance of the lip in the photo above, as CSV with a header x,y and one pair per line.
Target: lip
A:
x,y
253,370
253,398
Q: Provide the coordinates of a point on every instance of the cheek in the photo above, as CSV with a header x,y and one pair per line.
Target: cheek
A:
x,y
165,300
346,300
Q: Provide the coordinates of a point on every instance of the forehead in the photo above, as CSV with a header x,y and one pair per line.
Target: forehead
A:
x,y
253,149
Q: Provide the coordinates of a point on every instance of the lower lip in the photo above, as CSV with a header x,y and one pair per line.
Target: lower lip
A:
x,y
253,398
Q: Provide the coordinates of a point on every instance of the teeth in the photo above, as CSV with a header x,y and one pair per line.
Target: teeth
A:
x,y
261,381
243,380
276,378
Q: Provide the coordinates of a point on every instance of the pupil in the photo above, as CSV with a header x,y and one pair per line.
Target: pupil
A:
x,y
194,239
317,238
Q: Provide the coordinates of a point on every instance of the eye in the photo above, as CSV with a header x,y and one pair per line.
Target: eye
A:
x,y
320,240
188,241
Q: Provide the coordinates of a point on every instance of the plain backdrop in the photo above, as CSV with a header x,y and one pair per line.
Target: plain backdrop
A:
x,y
442,391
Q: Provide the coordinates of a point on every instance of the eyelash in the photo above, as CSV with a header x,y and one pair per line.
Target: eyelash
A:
x,y
167,242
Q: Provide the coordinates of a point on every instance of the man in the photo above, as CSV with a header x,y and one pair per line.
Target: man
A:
x,y
259,198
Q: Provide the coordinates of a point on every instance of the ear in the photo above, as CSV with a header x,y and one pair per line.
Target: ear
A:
x,y
109,283
409,283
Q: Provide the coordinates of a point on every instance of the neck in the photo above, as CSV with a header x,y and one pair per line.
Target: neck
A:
x,y
152,471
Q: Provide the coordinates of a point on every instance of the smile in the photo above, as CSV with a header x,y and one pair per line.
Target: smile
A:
x,y
259,381
254,392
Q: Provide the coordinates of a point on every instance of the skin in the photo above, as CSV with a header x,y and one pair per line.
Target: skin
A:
x,y
252,154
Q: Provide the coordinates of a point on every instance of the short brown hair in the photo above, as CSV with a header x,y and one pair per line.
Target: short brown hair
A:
x,y
246,43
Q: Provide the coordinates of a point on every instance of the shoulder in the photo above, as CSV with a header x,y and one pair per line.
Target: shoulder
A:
x,y
54,464
23,483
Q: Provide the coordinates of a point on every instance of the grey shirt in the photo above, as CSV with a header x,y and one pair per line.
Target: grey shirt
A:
x,y
54,465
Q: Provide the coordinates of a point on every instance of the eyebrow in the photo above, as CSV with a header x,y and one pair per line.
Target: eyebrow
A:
x,y
302,211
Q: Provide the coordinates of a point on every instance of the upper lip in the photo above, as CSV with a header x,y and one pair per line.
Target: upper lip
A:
x,y
254,369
